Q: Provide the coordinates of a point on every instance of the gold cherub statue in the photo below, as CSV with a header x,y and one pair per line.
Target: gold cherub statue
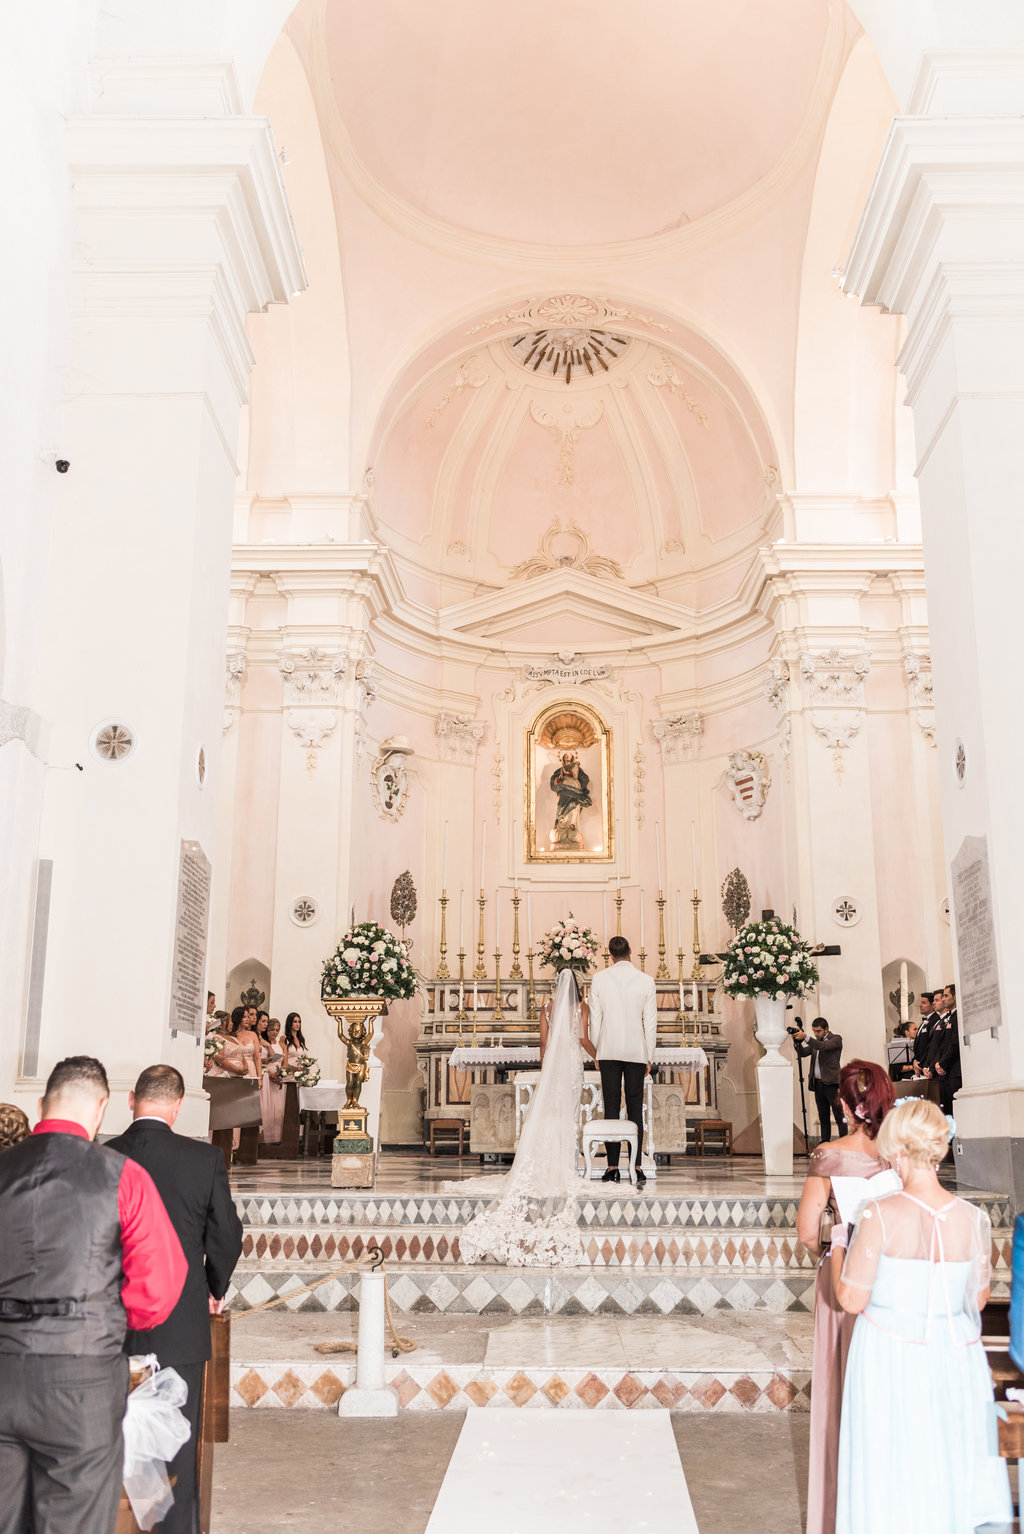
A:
x,y
357,1061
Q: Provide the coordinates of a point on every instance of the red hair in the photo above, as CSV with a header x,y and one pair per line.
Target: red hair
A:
x,y
866,1090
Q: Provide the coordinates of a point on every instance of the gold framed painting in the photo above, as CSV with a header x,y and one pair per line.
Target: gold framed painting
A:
x,y
568,811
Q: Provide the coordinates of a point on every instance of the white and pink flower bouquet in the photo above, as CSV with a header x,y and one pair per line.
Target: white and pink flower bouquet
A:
x,y
569,946
305,1072
768,958
369,961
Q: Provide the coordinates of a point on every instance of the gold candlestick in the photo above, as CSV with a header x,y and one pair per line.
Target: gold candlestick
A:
x,y
463,1015
531,1012
682,1014
497,1015
696,972
480,973
663,973
443,972
618,911
607,956
515,973
643,958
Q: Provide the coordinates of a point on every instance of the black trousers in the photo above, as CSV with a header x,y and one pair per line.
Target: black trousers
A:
x,y
616,1074
827,1098
61,1451
183,1517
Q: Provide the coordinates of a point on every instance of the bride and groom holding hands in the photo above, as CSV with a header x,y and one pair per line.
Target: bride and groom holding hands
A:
x,y
534,1220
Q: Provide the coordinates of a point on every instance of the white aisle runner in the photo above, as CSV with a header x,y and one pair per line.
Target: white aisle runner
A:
x,y
551,1472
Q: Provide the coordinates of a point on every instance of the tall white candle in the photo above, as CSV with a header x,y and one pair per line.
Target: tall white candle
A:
x,y
657,839
693,852
483,854
641,920
515,853
529,922
444,859
604,909
497,920
904,1013
462,916
618,854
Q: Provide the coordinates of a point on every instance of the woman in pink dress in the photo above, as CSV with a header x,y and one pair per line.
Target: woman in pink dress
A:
x,y
272,1090
866,1095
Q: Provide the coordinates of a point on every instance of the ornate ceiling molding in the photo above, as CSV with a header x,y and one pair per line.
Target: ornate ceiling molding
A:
x,y
665,248
546,559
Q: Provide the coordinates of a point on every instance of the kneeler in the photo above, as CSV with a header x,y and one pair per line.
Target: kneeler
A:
x,y
213,1424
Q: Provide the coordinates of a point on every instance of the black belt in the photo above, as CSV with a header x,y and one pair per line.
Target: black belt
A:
x,y
29,1310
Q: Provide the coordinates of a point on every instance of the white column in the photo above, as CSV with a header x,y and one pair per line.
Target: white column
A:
x,y
942,241
182,229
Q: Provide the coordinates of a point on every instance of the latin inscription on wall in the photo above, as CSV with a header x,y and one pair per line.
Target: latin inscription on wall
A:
x,y
978,1002
188,977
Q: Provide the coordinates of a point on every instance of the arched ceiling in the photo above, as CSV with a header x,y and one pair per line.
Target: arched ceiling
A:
x,y
573,433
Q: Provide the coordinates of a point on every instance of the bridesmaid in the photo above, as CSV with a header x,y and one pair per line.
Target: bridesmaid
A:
x,y
866,1095
272,1090
247,1040
294,1043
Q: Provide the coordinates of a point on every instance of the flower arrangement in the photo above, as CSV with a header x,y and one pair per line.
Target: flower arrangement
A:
x,y
305,1072
369,961
569,946
768,958
212,1046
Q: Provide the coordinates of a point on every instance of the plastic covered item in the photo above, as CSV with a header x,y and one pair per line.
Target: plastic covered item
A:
x,y
154,1430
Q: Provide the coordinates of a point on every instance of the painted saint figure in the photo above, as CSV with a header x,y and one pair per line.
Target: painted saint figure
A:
x,y
572,785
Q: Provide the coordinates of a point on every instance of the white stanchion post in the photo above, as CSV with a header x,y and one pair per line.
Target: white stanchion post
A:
x,y
369,1396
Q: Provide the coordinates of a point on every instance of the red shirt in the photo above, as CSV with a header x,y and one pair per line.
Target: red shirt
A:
x,y
152,1260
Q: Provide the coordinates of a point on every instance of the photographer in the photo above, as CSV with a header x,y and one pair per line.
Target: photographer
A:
x,y
824,1050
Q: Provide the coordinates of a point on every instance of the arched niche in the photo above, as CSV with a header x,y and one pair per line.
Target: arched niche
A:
x,y
569,791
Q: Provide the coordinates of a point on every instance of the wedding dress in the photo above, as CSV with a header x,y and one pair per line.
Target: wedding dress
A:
x,y
533,1221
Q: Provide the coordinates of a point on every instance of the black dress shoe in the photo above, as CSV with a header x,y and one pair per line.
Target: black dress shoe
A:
x,y
612,1175
641,1179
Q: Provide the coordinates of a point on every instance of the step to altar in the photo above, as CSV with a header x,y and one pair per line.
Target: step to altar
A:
x,y
728,1364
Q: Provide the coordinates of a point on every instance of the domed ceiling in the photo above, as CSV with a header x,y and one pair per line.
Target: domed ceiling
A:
x,y
571,432
572,124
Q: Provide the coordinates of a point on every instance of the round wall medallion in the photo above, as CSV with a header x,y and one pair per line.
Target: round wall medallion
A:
x,y
201,766
845,911
112,741
959,762
304,911
944,911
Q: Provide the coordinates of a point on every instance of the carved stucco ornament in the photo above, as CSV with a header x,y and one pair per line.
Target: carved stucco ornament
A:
x,y
548,556
678,736
389,778
748,780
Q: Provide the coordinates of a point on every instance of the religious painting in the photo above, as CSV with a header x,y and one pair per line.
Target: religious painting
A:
x,y
568,786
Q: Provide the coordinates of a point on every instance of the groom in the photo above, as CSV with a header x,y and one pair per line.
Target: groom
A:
x,y
624,1030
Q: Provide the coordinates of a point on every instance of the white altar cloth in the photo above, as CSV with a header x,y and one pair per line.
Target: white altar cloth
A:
x,y
463,1058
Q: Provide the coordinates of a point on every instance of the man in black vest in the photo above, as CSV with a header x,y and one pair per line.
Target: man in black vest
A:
x,y
84,1242
193,1184
926,1031
825,1050
946,1064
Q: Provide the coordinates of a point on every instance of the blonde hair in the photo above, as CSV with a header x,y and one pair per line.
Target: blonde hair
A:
x,y
915,1128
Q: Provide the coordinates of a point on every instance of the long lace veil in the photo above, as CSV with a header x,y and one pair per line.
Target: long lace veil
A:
x,y
533,1219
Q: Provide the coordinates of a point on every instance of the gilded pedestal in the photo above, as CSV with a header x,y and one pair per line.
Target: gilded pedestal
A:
x,y
353,1163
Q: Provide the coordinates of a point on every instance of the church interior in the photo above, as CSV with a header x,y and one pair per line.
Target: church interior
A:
x,y
471,468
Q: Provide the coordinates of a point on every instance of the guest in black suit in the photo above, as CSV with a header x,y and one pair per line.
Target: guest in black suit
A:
x,y
946,1065
193,1183
926,1033
825,1050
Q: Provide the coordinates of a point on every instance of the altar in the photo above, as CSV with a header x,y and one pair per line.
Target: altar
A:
x,y
472,1062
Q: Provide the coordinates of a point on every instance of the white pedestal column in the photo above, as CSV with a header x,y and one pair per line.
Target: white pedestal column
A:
x,y
774,1087
369,1396
942,241
182,229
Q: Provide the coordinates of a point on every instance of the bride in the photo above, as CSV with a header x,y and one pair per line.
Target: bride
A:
x,y
533,1221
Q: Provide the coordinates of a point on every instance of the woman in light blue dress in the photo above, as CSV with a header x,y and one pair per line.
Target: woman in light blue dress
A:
x,y
916,1276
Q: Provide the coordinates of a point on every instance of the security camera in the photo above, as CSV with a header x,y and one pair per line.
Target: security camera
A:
x,y
62,465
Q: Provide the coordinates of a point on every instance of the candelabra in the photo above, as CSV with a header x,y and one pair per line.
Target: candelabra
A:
x,y
480,973
618,911
443,972
663,973
606,956
531,1012
696,972
643,958
682,1012
515,973
463,1015
497,1015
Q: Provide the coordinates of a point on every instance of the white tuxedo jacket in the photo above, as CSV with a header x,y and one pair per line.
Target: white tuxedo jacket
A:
x,y
623,1013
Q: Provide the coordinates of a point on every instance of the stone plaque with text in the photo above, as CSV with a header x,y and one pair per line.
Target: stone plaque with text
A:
x,y
978,1003
188,976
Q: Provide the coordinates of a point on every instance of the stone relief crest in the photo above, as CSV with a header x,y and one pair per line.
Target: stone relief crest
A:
x,y
389,778
748,780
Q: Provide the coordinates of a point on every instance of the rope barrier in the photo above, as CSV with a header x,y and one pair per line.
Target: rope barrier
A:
x,y
372,1258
